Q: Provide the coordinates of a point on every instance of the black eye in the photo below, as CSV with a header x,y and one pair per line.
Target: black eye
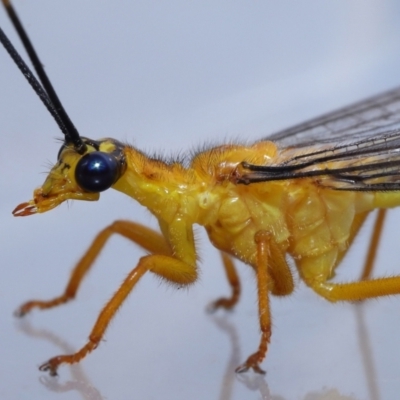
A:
x,y
96,171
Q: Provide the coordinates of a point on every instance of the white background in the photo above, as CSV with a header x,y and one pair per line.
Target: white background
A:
x,y
169,76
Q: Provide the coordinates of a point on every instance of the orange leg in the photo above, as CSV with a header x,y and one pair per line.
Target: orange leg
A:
x,y
167,267
374,244
145,237
262,240
280,276
228,302
366,288
356,291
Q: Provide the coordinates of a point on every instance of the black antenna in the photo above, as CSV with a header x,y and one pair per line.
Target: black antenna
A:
x,y
46,92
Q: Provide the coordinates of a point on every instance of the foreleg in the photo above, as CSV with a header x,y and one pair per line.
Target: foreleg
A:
x,y
146,238
167,267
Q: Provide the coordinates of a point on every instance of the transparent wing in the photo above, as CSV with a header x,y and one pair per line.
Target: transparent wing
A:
x,y
370,117
355,148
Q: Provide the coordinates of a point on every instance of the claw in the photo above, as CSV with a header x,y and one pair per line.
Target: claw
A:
x,y
226,303
211,308
19,312
50,367
245,367
25,308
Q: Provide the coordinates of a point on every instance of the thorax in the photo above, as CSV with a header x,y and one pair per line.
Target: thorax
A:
x,y
304,218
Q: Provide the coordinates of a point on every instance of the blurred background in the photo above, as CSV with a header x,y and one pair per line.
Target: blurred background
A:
x,y
168,77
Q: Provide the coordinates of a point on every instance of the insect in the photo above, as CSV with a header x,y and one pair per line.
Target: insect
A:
x,y
304,192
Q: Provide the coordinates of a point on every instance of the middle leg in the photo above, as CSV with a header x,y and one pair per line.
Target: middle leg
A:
x,y
233,279
262,239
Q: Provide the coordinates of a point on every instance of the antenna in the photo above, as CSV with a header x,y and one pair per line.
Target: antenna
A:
x,y
45,91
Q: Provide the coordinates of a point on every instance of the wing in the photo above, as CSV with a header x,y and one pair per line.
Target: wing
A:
x,y
370,117
355,148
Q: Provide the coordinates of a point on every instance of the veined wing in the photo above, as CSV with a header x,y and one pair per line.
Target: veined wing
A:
x,y
355,148
370,117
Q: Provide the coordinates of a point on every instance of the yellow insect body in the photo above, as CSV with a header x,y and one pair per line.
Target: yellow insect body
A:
x,y
304,192
259,224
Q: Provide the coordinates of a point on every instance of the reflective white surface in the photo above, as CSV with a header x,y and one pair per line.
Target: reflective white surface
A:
x,y
167,77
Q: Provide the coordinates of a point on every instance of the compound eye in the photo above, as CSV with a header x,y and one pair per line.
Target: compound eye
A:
x,y
96,171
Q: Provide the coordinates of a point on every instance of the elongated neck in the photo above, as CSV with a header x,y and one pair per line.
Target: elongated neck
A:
x,y
155,184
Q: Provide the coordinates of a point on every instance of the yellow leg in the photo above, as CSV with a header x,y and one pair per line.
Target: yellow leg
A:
x,y
147,238
263,240
280,276
167,267
233,279
374,244
367,288
356,291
